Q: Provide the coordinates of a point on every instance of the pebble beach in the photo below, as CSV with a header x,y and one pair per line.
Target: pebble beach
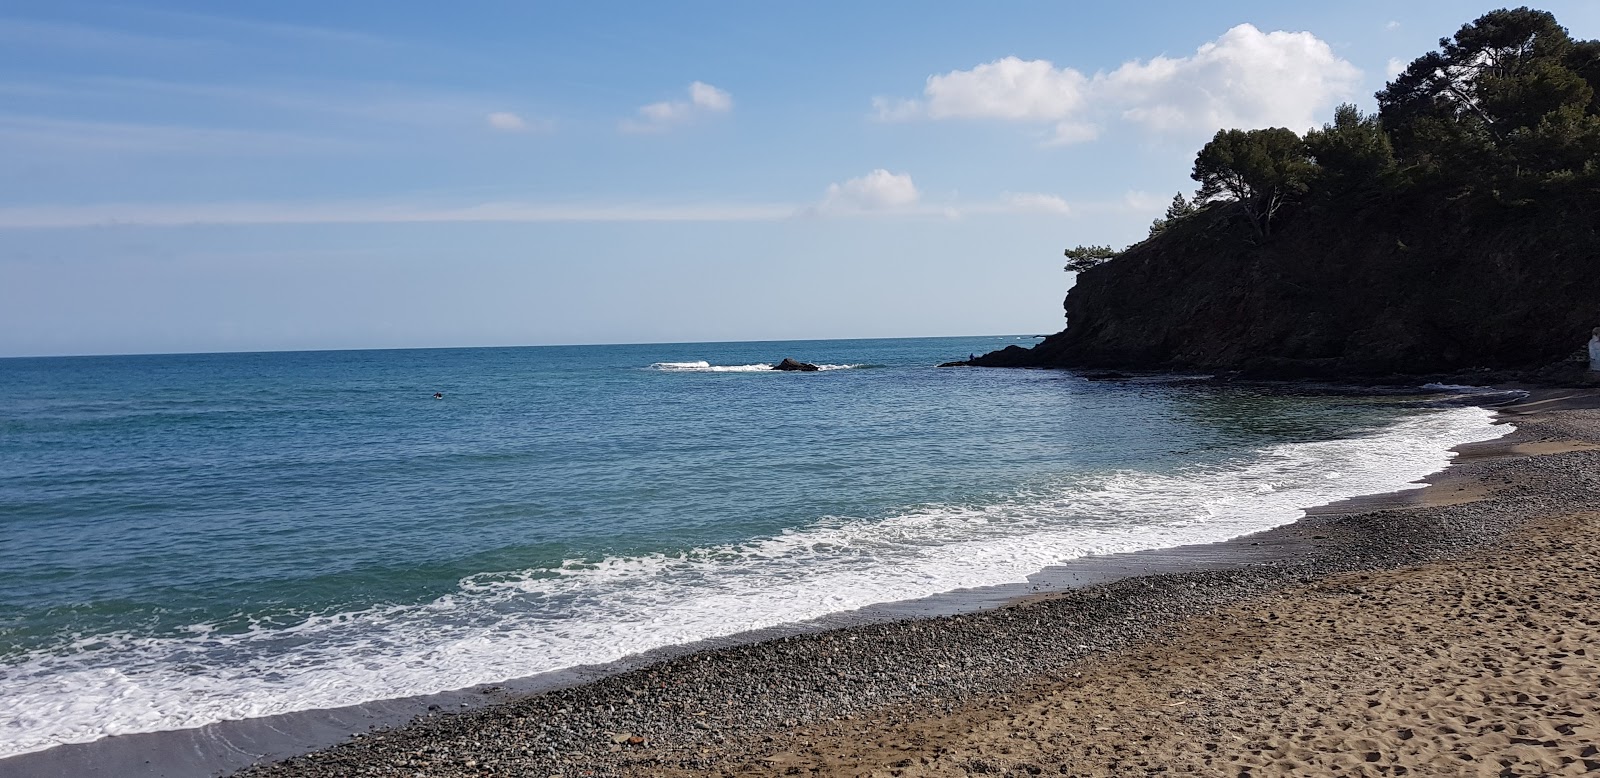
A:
x,y
1445,631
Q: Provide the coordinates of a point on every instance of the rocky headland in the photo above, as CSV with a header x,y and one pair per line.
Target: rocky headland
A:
x,y
1452,233
1479,292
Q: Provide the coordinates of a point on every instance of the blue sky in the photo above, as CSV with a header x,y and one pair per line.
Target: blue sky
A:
x,y
187,176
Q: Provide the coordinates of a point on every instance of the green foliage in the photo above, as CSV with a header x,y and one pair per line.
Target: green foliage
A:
x,y
1178,209
1263,170
1352,153
1082,258
1505,113
1509,101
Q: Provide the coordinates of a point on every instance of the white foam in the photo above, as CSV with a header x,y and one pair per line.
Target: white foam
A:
x,y
702,366
507,625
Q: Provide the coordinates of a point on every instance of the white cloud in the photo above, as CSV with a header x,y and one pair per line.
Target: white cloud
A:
x,y
1034,202
876,191
1246,79
657,117
1395,67
1010,88
710,98
1392,25
507,121
882,193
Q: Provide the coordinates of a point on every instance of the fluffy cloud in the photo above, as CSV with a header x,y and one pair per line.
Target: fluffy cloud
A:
x,y
1010,88
657,117
710,98
1246,78
879,190
506,121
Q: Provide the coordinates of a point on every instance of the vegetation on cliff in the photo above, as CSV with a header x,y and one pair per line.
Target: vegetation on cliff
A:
x,y
1454,229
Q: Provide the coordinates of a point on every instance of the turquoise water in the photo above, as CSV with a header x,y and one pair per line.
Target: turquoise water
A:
x,y
190,538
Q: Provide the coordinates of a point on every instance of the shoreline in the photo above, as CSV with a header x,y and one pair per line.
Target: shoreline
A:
x,y
1474,663
1231,570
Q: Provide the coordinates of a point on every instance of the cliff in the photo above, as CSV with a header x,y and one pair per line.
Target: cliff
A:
x,y
1451,233
1419,285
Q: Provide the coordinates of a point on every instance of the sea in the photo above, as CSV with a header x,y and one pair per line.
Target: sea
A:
x,y
187,539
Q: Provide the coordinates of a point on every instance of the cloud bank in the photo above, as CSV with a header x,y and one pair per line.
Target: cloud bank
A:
x,y
879,193
1246,79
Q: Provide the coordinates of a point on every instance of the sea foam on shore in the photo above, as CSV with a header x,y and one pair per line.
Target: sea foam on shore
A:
x,y
498,626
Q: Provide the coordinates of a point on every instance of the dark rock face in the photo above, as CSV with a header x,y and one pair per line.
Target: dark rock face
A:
x,y
790,364
1390,290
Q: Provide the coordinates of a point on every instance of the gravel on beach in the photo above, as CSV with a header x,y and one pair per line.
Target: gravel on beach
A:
x,y
728,709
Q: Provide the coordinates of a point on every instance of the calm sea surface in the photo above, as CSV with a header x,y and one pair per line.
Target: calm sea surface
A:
x,y
186,539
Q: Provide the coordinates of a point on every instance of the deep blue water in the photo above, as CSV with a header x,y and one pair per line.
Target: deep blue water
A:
x,y
187,538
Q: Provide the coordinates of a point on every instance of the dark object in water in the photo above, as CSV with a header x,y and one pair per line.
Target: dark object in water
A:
x,y
438,395
802,367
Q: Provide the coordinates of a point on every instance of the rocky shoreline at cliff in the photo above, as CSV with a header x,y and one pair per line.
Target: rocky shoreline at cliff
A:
x,y
1373,301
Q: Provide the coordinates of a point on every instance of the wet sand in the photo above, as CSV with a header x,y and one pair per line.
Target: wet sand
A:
x,y
1255,647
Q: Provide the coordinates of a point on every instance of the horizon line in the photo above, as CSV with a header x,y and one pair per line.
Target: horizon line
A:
x,y
503,346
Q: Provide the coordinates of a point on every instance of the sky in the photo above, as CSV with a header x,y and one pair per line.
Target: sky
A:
x,y
246,176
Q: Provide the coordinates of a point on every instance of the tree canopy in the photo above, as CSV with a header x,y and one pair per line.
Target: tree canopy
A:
x,y
1263,170
1082,258
1507,109
1179,208
1352,153
1510,99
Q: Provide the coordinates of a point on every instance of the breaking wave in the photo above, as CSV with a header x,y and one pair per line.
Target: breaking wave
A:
x,y
703,366
498,626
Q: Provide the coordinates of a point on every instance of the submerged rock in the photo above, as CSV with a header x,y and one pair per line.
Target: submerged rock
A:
x,y
790,364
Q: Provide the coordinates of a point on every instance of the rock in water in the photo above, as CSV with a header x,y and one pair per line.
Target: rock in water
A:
x,y
790,364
